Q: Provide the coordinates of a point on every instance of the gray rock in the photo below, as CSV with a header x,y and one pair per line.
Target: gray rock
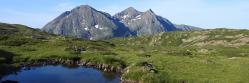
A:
x,y
89,23
144,23
184,27
83,22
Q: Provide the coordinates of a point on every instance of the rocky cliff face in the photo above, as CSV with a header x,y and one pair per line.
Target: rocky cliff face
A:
x,y
144,23
84,22
89,23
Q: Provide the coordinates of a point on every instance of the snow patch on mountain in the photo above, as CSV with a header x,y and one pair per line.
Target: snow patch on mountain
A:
x,y
125,16
86,28
96,26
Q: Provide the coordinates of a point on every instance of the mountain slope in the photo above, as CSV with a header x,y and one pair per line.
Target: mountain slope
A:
x,y
186,27
89,23
83,22
215,56
144,23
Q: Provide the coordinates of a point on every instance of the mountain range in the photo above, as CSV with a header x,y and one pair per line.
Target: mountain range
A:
x,y
86,22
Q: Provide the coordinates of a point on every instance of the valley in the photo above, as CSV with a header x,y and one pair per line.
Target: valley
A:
x,y
209,55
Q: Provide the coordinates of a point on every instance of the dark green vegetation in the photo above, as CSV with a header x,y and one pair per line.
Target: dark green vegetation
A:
x,y
217,56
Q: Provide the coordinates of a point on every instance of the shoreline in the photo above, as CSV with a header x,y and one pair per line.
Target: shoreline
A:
x,y
81,63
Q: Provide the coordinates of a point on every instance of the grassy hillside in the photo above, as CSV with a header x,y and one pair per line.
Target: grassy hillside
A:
x,y
217,56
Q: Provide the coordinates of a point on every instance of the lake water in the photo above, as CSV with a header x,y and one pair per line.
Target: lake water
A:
x,y
62,74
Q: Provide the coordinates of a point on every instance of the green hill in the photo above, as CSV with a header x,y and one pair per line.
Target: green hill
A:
x,y
216,55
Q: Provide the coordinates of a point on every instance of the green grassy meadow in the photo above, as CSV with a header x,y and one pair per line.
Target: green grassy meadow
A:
x,y
206,56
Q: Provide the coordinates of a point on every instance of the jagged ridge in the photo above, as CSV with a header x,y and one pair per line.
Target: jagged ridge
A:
x,y
89,23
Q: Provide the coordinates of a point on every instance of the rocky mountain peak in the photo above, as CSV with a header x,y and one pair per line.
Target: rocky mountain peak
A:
x,y
89,23
85,7
150,12
83,22
131,9
129,12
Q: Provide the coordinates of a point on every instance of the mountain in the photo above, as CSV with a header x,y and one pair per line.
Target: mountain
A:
x,y
84,22
144,23
220,55
186,27
89,23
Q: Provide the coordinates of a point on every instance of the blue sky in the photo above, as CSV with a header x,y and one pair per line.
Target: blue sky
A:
x,y
201,13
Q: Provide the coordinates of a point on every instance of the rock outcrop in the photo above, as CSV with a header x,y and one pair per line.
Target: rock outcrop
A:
x,y
85,22
144,23
89,23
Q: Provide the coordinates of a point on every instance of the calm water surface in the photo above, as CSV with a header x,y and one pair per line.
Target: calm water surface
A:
x,y
62,74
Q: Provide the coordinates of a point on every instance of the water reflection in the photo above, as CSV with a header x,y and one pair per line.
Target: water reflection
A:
x,y
61,74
